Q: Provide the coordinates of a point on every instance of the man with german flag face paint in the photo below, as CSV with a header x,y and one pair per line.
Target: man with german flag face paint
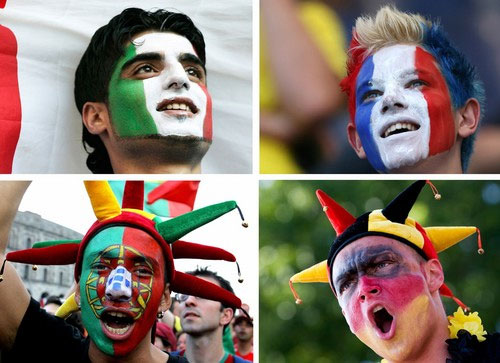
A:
x,y
384,269
151,111
414,101
125,273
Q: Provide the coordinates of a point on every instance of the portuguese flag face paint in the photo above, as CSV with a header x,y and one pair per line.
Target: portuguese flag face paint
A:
x,y
158,88
121,285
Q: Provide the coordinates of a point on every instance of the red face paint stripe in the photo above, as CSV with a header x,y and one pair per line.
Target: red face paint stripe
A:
x,y
442,135
10,100
207,122
2,3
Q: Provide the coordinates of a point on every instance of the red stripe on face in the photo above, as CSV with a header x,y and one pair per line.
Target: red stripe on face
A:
x,y
436,94
2,3
10,100
394,294
207,122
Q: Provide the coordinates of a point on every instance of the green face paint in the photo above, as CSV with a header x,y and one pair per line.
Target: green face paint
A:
x,y
121,285
127,102
89,298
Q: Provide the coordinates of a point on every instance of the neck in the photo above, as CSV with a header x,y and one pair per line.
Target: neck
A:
x,y
144,352
205,348
447,162
244,347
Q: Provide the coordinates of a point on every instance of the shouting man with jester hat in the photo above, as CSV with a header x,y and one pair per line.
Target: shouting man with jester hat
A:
x,y
414,100
124,268
384,269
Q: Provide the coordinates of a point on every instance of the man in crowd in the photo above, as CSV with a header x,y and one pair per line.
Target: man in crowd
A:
x,y
141,90
414,100
243,328
204,322
384,270
124,267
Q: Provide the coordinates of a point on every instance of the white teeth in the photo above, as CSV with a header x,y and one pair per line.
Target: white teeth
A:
x,y
378,308
117,331
398,126
115,313
178,106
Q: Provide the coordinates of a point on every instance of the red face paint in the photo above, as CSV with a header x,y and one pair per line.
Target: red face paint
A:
x,y
207,122
438,99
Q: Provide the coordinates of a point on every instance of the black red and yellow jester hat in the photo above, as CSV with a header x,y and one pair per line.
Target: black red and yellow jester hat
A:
x,y
392,222
166,234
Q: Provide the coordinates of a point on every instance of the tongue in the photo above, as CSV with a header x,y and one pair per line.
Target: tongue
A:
x,y
383,320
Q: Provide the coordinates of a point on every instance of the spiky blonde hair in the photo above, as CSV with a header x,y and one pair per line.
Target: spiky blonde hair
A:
x,y
389,26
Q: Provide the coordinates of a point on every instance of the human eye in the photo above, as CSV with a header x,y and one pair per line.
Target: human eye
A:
x,y
194,73
145,69
100,266
143,271
415,83
371,95
345,285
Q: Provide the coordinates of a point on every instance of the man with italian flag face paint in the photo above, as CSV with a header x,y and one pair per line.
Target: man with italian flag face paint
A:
x,y
141,90
414,100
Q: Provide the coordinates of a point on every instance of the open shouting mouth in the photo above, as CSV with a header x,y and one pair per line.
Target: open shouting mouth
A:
x,y
117,325
383,322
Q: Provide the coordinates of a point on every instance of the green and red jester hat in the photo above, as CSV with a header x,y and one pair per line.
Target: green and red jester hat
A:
x,y
119,307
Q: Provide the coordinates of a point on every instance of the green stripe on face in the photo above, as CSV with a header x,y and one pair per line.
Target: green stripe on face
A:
x,y
127,102
88,285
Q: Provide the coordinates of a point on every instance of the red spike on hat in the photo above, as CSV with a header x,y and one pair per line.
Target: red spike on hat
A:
x,y
337,215
133,195
191,285
62,254
181,249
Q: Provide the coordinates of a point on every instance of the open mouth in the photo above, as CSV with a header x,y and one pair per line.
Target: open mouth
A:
x,y
117,325
399,128
383,320
177,104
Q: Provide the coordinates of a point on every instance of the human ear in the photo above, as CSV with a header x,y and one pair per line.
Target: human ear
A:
x,y
166,300
77,294
355,141
468,118
434,275
95,117
226,316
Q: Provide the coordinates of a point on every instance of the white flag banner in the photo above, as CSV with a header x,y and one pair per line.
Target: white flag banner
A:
x,y
41,43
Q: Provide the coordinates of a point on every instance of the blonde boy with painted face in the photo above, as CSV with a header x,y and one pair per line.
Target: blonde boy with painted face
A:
x,y
414,101
141,90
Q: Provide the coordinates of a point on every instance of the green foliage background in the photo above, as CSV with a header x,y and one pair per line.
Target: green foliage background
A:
x,y
295,234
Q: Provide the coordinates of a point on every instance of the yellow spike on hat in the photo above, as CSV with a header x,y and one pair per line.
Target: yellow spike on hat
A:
x,y
316,273
104,202
444,237
69,307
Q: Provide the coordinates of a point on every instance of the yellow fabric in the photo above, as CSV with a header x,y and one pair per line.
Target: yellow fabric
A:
x,y
177,324
102,199
326,31
377,222
141,212
444,237
69,307
316,273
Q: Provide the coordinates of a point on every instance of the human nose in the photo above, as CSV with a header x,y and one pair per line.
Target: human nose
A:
x,y
119,284
393,101
176,77
367,288
191,300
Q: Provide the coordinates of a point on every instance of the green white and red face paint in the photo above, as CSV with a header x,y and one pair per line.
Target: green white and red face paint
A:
x,y
400,88
121,286
136,105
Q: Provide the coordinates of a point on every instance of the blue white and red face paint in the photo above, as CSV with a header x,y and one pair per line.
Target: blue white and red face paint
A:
x,y
403,108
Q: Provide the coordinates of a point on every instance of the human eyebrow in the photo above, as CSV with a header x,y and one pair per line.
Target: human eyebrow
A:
x,y
150,56
188,57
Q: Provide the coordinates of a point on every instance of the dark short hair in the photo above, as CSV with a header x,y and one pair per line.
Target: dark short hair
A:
x,y
106,47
